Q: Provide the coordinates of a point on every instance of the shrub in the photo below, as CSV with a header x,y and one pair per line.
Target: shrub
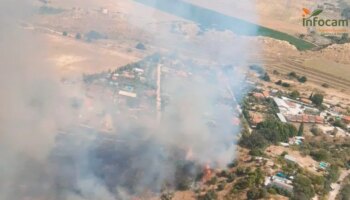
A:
x,y
221,186
231,177
302,79
294,94
325,85
210,195
292,75
285,84
140,46
241,184
78,36
266,77
320,155
316,131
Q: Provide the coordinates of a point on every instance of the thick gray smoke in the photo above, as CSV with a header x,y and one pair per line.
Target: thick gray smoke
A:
x,y
45,155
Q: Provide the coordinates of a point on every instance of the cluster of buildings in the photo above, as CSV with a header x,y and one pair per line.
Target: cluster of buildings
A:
x,y
295,111
281,181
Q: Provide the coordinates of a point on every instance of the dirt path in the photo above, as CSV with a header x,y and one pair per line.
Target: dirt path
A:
x,y
336,186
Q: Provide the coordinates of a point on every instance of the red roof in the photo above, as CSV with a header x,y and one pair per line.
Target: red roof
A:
x,y
305,100
266,94
346,118
305,118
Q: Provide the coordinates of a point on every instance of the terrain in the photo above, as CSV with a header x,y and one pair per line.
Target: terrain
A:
x,y
123,62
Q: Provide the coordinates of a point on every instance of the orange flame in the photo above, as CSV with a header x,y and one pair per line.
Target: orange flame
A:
x,y
306,11
207,173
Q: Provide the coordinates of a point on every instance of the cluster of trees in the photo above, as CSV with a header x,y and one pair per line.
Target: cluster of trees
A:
x,y
303,188
252,179
256,193
281,83
345,192
301,79
267,132
275,131
245,178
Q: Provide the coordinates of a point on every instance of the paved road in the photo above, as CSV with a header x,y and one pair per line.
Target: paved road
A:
x,y
336,187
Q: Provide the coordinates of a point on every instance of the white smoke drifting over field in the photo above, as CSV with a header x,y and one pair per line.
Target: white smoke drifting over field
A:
x,y
37,164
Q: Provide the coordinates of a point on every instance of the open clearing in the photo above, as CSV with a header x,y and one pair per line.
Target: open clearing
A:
x,y
304,161
326,66
73,58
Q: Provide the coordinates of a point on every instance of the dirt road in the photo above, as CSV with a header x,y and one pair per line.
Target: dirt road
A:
x,y
336,187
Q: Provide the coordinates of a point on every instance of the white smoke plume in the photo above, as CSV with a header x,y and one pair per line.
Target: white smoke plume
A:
x,y
36,163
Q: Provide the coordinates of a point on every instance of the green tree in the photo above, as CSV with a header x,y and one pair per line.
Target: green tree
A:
x,y
317,99
254,141
345,192
266,77
294,94
301,129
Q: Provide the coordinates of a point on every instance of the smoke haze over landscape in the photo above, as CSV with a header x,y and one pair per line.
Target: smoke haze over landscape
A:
x,y
37,162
